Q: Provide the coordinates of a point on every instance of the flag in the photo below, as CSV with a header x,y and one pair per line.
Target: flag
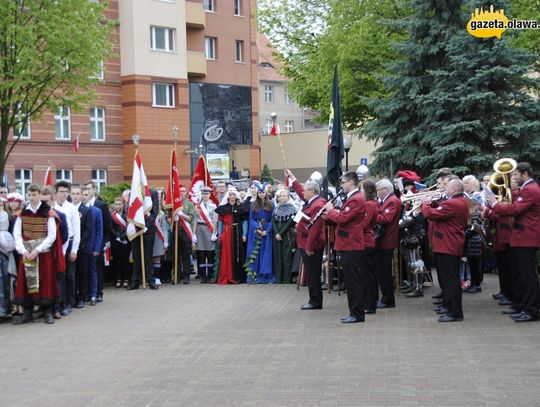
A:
x,y
48,177
173,199
75,143
335,137
274,131
201,177
140,201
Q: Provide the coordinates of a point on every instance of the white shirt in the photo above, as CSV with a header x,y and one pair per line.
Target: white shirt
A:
x,y
47,242
74,224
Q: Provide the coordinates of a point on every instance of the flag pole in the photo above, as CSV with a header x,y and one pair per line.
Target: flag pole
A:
x,y
273,115
175,222
136,138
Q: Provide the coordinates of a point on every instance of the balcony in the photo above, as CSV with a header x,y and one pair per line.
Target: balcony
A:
x,y
195,16
196,63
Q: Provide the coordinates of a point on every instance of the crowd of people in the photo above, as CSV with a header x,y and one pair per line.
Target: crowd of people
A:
x,y
56,247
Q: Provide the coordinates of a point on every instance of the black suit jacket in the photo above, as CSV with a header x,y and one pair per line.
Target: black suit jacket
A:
x,y
106,218
86,228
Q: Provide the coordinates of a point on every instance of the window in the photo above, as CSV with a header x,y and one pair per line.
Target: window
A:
x,y
210,47
268,94
21,130
62,126
268,126
64,175
23,178
100,178
289,126
162,95
97,124
209,5
237,7
100,72
288,99
239,47
162,39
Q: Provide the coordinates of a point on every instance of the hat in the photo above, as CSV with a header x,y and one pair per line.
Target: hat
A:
x,y
15,196
408,174
206,189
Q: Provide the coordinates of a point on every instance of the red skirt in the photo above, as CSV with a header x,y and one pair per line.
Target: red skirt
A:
x,y
49,289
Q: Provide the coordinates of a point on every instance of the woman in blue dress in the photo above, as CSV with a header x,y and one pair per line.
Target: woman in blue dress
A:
x,y
259,248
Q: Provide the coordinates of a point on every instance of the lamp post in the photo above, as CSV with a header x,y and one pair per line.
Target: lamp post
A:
x,y
362,171
347,144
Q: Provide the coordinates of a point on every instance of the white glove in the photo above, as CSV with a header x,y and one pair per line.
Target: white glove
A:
x,y
194,239
213,238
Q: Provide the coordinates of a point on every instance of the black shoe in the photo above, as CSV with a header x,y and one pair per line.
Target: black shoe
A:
x,y
370,311
437,296
133,286
93,301
153,286
351,320
404,286
415,294
498,296
308,307
511,311
442,311
448,318
80,304
505,301
99,298
524,317
48,318
438,302
24,318
185,281
381,304
474,289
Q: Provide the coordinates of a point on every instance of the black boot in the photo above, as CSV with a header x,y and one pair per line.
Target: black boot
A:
x,y
25,317
48,317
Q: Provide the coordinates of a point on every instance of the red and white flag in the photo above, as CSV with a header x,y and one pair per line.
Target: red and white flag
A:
x,y
173,199
274,131
75,143
48,177
201,178
140,201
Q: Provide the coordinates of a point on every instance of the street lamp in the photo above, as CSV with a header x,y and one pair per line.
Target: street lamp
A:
x,y
362,171
347,144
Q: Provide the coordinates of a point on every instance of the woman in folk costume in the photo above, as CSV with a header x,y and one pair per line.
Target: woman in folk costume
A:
x,y
14,208
205,235
232,232
259,248
161,242
8,270
120,246
284,244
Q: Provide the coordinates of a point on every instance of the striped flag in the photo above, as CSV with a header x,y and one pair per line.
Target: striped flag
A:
x,y
173,199
201,178
140,201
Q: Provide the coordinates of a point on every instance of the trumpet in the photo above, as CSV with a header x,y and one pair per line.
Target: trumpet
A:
x,y
420,196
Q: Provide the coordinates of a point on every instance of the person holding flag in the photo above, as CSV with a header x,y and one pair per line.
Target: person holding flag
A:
x,y
205,235
184,235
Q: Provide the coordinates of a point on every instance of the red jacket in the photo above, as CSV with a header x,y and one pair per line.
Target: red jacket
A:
x,y
314,238
448,223
369,223
526,212
389,213
350,223
503,230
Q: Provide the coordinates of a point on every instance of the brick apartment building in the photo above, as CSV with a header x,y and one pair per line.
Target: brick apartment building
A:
x,y
189,64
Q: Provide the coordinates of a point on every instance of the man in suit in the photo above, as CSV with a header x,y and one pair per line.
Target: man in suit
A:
x,y
524,241
93,200
85,246
449,220
94,246
389,212
310,242
350,244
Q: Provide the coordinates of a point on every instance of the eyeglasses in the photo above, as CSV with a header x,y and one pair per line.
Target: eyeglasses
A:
x,y
3,192
345,181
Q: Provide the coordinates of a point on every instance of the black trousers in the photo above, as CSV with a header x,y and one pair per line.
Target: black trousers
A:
x,y
507,278
383,269
477,274
354,271
448,266
83,260
184,253
205,264
312,268
120,267
371,289
148,241
528,287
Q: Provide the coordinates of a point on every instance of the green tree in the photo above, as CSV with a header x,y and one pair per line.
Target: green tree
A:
x,y
314,35
50,52
526,39
266,174
457,101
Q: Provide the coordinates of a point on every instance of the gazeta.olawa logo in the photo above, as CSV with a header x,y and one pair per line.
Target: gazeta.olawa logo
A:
x,y
493,23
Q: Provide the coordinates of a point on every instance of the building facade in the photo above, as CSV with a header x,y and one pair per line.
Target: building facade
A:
x,y
189,65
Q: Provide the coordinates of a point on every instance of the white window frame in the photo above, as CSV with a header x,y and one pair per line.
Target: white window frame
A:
x,y
268,126
21,181
268,94
288,99
210,48
209,6
99,176
169,38
289,126
239,51
64,175
97,122
20,130
238,8
100,73
60,116
169,95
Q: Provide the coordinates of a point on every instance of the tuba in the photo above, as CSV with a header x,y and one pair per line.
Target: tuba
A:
x,y
499,182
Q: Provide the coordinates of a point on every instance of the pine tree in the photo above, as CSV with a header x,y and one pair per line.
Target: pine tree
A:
x,y
266,174
458,100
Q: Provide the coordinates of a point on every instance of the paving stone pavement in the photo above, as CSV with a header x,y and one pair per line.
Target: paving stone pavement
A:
x,y
251,346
